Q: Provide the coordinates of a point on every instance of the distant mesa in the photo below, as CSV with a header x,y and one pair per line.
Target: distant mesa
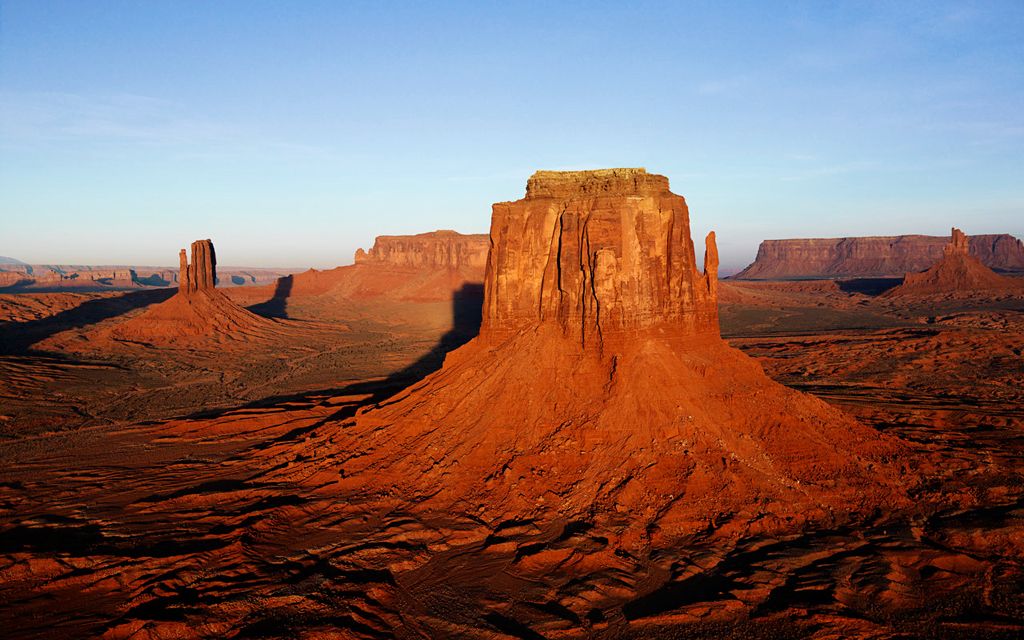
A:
x,y
956,272
599,387
18,276
426,267
6,260
869,257
437,249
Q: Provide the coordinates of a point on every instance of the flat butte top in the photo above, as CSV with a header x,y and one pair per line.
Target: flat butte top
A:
x,y
568,184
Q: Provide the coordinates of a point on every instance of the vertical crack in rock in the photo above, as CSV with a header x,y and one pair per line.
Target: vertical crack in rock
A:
x,y
613,392
201,274
619,227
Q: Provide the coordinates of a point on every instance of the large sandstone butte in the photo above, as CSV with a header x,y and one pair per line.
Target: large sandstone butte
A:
x,y
599,388
876,256
956,272
197,310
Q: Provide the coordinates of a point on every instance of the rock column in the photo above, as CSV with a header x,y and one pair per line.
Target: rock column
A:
x,y
201,274
958,244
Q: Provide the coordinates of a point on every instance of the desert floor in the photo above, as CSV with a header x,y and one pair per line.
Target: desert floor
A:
x,y
185,490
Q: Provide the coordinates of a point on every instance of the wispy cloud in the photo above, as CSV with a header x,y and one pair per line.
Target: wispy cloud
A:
x,y
117,121
62,117
721,85
831,170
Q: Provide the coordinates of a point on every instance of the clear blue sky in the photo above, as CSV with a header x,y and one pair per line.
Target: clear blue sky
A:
x,y
294,132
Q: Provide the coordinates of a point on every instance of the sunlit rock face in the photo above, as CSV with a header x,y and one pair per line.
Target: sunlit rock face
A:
x,y
956,272
598,253
437,249
201,273
873,256
599,386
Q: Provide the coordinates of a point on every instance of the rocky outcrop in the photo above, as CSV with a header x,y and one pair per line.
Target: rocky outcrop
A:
x,y
437,249
201,273
879,256
426,267
599,389
197,311
957,272
597,252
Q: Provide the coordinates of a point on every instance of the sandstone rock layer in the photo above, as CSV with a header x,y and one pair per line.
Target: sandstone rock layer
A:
x,y
197,310
876,256
201,273
956,272
600,388
437,249
426,267
598,253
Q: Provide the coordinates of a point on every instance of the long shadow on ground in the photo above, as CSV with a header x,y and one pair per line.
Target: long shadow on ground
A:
x,y
18,337
868,286
277,306
467,305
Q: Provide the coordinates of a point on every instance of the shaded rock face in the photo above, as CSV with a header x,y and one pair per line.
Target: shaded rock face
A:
x,y
201,274
873,256
426,267
597,253
957,272
437,249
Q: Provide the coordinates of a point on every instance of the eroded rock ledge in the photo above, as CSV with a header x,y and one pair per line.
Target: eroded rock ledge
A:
x,y
598,252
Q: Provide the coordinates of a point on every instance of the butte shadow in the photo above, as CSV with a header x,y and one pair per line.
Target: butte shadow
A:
x,y
19,337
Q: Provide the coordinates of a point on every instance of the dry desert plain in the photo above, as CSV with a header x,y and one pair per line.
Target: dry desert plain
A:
x,y
569,428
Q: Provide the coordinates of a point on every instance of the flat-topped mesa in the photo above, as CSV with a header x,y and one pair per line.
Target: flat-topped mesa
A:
x,y
598,253
437,249
201,274
874,256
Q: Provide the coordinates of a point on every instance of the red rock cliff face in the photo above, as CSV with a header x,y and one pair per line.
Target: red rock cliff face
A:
x,y
437,249
873,256
597,252
529,421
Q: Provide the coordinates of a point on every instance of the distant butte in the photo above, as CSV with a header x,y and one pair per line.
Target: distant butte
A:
x,y
877,256
197,310
599,386
956,272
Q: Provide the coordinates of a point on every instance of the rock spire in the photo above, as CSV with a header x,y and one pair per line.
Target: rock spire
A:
x,y
956,273
201,274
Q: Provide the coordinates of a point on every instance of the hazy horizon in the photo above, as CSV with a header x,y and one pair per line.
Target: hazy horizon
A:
x,y
294,134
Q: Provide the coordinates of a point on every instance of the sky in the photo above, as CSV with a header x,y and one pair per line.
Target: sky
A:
x,y
292,133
